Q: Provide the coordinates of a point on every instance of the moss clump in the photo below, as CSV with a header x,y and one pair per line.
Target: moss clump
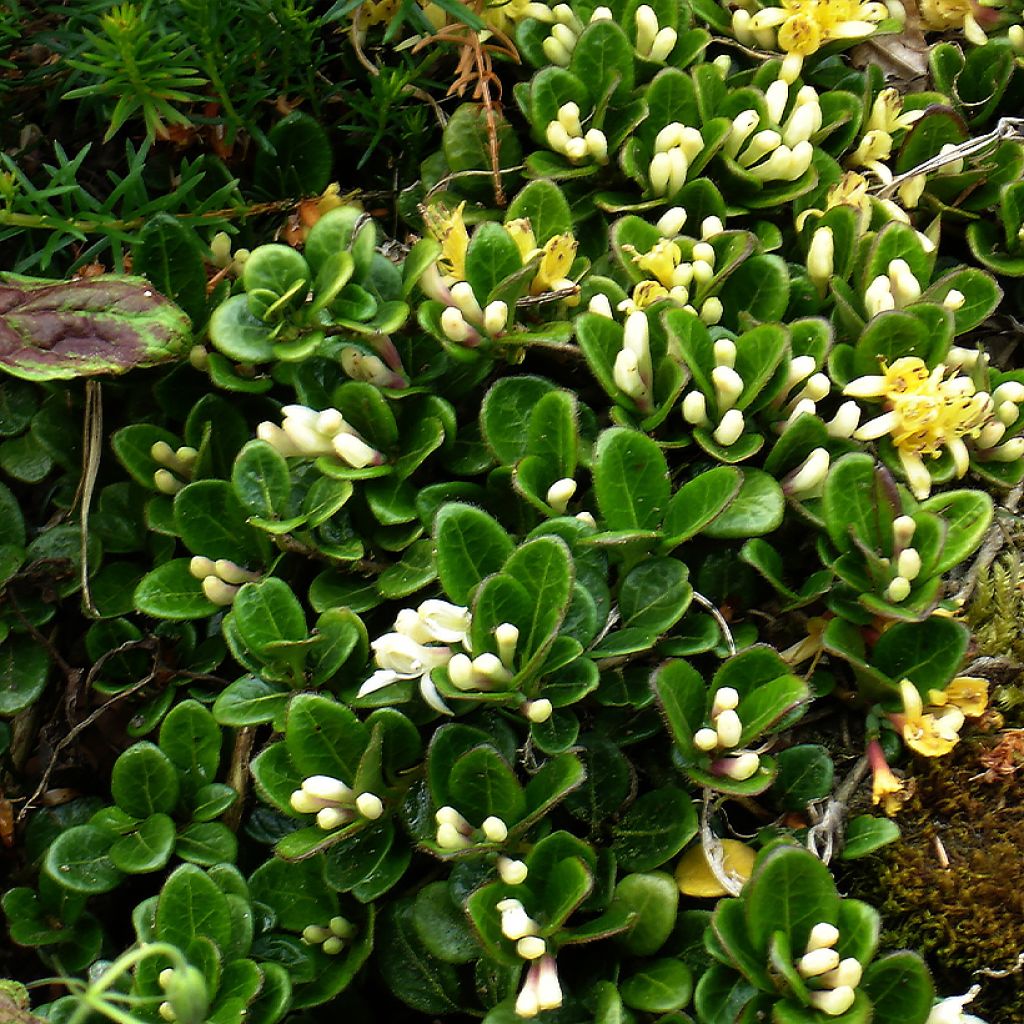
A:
x,y
951,886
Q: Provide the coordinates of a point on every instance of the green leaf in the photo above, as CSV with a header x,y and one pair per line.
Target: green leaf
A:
x,y
759,287
24,668
757,509
764,706
654,829
149,848
172,592
655,594
683,698
928,653
191,738
631,481
790,891
442,927
505,415
492,256
144,782
261,480
865,834
543,204
900,988
91,325
722,995
805,774
858,503
211,521
543,567
250,701
238,334
268,616
653,899
191,906
168,254
699,502
603,61
324,737
79,860
470,545
968,515
486,786
299,162
660,986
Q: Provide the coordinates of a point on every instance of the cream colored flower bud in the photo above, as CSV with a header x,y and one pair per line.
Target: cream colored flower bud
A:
x,y
454,325
702,272
496,317
494,829
333,946
450,838
741,27
646,29
1007,412
303,803
273,435
230,572
904,286
331,818
461,674
490,667
626,375
729,429
569,119
724,351
201,567
600,305
742,125
823,936
538,711
447,815
166,482
326,787
668,138
341,927
602,14
802,124
587,519
848,973
810,474
565,15
911,190
163,453
465,301
1008,452
560,493
506,636
763,143
845,421
557,137
712,311
878,297
903,528
834,1002
597,145
991,434
370,806
705,739
726,699
218,592
515,922
557,52
728,387
1015,33
530,947
1008,391
678,166
576,149
671,222
327,423
908,564
728,728
898,590
664,43
820,259
741,767
818,961
695,409
512,872
565,35
704,252
973,32
166,1012
314,934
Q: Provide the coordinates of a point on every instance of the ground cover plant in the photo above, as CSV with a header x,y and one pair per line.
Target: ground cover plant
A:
x,y
509,511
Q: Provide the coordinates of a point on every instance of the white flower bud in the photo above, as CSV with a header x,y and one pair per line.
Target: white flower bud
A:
x,y
991,434
823,936
835,1001
507,637
538,711
201,567
742,125
314,934
496,317
671,222
903,528
705,739
576,149
557,137
461,674
326,787
702,272
602,14
490,667
341,927
820,258
494,829
728,387
802,124
878,296
848,973
515,922
560,493
818,961
678,165
712,310
711,226
763,143
1008,452
668,138
726,699
305,804
512,872
166,1012
333,817
165,977
333,946
166,482
1007,412
741,27
809,475
218,592
739,768
728,728
845,421
1008,391
898,590
704,252
600,305
729,429
1015,33
230,572
369,805
526,1002
776,97
447,815
557,52
646,29
273,435
664,43
565,35
549,992
454,325
597,145
569,119
904,286
695,409
908,564
186,456
626,375
725,352
804,407
330,421
587,519
531,947
565,15
450,838
356,452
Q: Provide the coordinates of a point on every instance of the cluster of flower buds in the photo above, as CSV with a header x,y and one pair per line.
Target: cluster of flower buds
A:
x,y
455,833
675,148
565,135
221,578
723,736
800,395
463,320
832,981
365,366
632,371
231,262
676,279
175,466
728,387
898,288
187,1001
541,990
805,117
332,938
653,42
907,564
334,803
306,433
763,152
566,31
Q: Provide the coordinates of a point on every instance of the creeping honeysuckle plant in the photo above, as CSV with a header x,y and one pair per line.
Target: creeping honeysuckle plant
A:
x,y
490,493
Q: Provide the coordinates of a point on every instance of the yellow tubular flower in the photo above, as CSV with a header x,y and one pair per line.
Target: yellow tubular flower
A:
x,y
660,262
556,259
522,234
932,733
968,694
448,227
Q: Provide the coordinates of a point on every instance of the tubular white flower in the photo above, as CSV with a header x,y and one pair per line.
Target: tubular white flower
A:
x,y
538,711
664,43
448,623
809,475
764,142
370,806
511,872
728,387
646,29
333,817
328,788
820,259
549,992
671,222
739,768
834,1001
678,166
527,1004
695,409
729,429
877,427
711,226
705,739
515,922
818,961
402,655
845,421
432,697
494,829
659,171
728,728
465,299
355,451
496,317
560,493
506,636
569,119
823,936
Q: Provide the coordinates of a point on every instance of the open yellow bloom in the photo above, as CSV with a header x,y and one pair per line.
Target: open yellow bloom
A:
x,y
931,733
927,411
804,26
448,227
850,190
557,255
943,15
969,694
660,262
887,113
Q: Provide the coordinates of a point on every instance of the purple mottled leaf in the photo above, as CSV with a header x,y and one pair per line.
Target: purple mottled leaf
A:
x,y
53,330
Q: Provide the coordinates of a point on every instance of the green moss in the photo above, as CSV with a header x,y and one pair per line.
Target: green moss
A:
x,y
969,914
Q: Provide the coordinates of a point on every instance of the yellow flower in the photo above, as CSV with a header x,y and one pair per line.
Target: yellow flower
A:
x,y
556,259
850,190
646,293
448,227
887,113
695,877
522,234
806,25
932,733
969,694
888,790
660,262
943,15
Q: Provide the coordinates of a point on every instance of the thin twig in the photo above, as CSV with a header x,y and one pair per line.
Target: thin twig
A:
x,y
714,852
826,834
92,450
719,618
